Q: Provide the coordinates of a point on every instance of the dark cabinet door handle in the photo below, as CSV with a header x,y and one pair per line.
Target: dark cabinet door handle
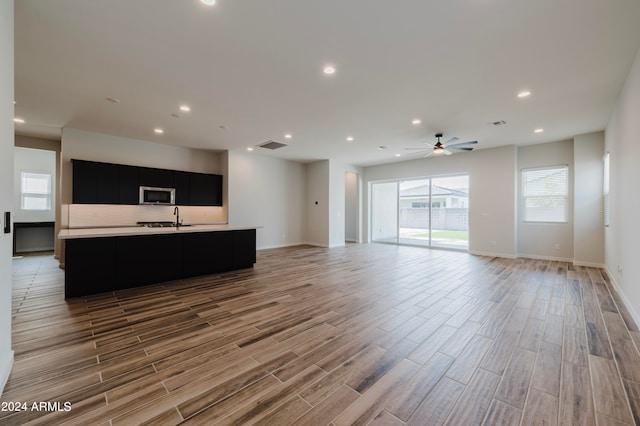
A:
x,y
7,222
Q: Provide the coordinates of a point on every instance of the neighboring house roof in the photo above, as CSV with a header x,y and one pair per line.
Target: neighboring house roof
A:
x,y
423,191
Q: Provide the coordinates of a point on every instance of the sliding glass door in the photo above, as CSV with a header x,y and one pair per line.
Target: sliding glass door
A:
x,y
384,208
432,212
450,212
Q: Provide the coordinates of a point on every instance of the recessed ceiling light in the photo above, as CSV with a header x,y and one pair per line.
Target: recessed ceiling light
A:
x,y
398,155
288,136
250,149
416,121
538,130
208,2
349,138
524,94
185,108
113,100
18,120
158,131
329,69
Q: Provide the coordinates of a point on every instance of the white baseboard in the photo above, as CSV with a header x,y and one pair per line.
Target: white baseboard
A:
x,y
589,264
538,257
627,303
316,244
490,254
6,364
280,246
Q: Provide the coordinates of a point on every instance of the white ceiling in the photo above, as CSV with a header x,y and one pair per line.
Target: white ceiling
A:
x,y
255,67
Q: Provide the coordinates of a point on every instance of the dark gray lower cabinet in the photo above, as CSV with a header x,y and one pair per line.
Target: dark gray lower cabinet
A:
x,y
207,253
148,259
244,248
89,266
97,265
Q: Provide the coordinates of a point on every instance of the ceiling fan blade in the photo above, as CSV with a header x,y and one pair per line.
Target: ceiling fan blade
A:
x,y
459,148
452,140
463,143
430,153
420,149
447,152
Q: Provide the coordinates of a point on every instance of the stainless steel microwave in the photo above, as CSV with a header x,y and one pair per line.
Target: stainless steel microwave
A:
x,y
157,196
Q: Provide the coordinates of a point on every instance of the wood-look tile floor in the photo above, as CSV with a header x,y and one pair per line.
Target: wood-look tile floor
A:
x,y
367,334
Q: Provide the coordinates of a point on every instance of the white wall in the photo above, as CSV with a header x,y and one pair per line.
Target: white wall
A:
x,y
547,240
351,207
492,180
6,185
317,203
267,192
622,137
33,160
588,217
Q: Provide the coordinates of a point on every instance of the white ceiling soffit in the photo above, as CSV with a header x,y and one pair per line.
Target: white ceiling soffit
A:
x,y
253,71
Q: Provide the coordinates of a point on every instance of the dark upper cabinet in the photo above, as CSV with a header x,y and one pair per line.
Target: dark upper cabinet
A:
x,y
205,190
104,183
95,183
128,185
155,177
181,181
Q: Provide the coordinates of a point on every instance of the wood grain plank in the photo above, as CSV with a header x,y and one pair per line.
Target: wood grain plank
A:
x,y
517,376
465,365
541,409
608,392
475,400
546,372
364,409
576,400
294,334
502,414
405,402
436,407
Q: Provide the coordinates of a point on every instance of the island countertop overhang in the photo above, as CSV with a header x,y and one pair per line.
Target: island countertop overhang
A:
x,y
126,231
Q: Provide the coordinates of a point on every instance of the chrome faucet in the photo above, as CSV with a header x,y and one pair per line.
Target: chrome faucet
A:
x,y
176,213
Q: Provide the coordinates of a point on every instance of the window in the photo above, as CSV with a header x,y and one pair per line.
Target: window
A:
x,y
35,191
545,194
606,189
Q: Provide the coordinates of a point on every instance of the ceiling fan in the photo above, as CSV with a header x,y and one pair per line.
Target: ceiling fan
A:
x,y
449,147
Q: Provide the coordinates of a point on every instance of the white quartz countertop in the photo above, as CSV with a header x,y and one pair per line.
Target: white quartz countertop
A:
x,y
67,234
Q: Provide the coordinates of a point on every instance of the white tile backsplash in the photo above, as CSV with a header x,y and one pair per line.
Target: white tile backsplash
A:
x,y
105,215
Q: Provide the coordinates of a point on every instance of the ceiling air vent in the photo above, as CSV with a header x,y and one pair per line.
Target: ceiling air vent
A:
x,y
498,123
272,145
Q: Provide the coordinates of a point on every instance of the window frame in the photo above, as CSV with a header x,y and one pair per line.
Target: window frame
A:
x,y
48,196
606,188
524,197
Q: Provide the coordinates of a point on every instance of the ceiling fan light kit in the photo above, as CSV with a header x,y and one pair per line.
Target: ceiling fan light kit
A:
x,y
448,147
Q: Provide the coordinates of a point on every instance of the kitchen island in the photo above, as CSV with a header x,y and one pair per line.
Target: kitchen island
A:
x,y
101,260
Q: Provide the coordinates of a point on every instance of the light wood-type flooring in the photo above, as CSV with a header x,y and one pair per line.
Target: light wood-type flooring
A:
x,y
367,334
